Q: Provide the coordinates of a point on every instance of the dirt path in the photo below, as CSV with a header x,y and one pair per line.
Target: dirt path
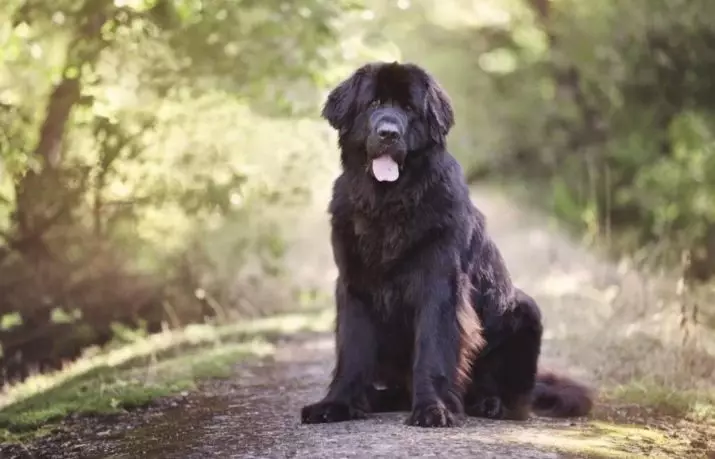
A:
x,y
255,414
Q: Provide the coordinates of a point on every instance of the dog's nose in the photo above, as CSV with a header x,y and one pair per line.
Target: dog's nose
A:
x,y
388,132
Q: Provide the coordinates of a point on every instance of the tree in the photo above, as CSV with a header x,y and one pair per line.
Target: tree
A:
x,y
91,92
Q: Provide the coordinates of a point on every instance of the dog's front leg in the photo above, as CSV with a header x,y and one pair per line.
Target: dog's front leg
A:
x,y
356,353
436,401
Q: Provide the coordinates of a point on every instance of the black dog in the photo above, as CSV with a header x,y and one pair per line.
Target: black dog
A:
x,y
427,316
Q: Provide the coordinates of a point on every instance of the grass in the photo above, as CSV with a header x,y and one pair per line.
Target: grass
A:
x,y
635,420
692,405
639,419
132,375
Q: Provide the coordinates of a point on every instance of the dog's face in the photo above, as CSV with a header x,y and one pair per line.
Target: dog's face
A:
x,y
385,112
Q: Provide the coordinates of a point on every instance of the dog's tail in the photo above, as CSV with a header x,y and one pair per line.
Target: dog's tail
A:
x,y
558,396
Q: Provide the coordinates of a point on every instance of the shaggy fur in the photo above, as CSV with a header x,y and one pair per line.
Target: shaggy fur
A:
x,y
427,317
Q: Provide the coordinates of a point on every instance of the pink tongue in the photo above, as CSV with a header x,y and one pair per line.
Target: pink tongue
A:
x,y
385,169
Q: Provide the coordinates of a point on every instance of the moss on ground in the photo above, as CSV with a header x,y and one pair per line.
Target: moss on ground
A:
x,y
608,440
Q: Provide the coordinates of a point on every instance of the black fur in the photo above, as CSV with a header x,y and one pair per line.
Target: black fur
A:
x,y
426,308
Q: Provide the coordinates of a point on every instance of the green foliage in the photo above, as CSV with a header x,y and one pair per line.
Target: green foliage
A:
x,y
607,103
10,320
150,150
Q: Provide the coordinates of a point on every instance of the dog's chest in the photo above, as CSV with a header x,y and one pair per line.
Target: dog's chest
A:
x,y
379,242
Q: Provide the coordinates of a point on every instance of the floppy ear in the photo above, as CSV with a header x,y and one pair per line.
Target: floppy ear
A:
x,y
439,111
341,103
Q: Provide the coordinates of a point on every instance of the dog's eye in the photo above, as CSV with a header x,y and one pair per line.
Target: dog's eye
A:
x,y
374,103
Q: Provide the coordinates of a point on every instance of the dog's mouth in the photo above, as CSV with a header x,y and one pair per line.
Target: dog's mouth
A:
x,y
385,168
385,160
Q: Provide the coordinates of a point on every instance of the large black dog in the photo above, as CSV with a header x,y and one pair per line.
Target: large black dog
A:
x,y
427,317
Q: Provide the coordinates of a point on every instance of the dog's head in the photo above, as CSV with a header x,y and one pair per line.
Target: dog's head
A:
x,y
388,111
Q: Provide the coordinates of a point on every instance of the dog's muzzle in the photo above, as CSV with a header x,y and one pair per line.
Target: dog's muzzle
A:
x,y
388,132
387,125
386,146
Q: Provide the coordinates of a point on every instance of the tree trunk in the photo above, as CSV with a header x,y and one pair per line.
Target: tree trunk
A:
x,y
41,196
44,195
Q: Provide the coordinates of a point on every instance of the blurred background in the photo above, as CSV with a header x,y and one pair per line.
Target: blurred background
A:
x,y
162,162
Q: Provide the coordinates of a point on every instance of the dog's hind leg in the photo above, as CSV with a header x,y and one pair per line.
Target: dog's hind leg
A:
x,y
504,375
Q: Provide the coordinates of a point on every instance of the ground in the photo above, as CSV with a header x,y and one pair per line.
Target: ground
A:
x,y
596,329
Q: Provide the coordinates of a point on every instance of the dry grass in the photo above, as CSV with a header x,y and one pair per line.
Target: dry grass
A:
x,y
606,322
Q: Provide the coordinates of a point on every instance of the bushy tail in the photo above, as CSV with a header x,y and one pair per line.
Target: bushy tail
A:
x,y
557,396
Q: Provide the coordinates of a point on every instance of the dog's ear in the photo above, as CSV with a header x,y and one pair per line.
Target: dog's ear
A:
x,y
438,110
342,102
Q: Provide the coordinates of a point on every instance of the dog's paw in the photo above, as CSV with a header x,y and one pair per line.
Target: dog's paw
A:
x,y
487,407
323,412
434,415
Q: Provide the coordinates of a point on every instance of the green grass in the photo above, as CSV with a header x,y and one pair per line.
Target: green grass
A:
x,y
635,420
123,377
693,405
